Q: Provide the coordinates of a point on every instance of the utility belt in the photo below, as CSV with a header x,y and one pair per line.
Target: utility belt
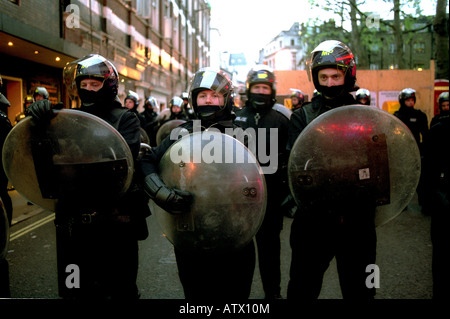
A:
x,y
95,218
97,221
92,218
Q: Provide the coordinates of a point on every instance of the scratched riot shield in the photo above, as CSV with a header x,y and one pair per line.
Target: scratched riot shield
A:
x,y
229,193
355,153
144,136
166,128
76,156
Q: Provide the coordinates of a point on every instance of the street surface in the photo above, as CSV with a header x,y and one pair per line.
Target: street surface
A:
x,y
403,257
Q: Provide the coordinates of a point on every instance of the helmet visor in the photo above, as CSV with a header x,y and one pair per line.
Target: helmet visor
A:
x,y
89,67
211,80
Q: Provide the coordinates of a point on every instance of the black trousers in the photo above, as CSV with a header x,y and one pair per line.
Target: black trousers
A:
x,y
269,250
440,238
317,238
105,255
4,279
217,276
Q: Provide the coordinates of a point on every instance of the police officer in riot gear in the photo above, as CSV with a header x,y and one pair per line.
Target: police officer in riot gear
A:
x,y
205,275
40,93
417,122
363,96
5,128
131,102
187,109
297,99
259,114
151,113
6,208
436,180
176,105
345,230
414,119
100,238
443,108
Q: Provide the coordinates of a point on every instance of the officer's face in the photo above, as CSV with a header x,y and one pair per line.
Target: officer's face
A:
x,y
38,97
209,97
129,103
331,77
261,88
409,102
363,100
176,109
91,84
445,106
294,100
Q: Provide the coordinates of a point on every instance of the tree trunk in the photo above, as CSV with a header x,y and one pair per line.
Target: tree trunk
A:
x,y
398,36
357,47
440,26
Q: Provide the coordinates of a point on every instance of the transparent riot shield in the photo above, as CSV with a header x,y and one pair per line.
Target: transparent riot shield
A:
x,y
76,156
352,153
166,128
229,193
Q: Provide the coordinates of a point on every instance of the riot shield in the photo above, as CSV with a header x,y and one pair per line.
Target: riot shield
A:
x,y
76,156
144,136
166,128
355,153
283,110
229,193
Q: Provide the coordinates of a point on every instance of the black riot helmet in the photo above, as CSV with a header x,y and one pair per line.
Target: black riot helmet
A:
x,y
443,97
95,67
363,94
265,75
333,54
185,96
151,104
217,81
405,94
299,95
132,96
42,91
176,101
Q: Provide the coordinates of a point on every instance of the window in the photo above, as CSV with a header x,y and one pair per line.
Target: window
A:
x,y
392,48
419,47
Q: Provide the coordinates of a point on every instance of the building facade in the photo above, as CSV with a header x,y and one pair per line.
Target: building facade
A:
x,y
156,45
285,51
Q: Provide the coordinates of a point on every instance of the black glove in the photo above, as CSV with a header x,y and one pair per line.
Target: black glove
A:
x,y
41,110
172,200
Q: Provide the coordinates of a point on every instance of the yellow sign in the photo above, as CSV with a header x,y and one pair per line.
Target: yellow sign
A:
x,y
262,75
327,52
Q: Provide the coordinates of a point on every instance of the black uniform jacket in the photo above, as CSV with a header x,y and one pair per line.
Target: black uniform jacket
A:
x,y
415,120
249,117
